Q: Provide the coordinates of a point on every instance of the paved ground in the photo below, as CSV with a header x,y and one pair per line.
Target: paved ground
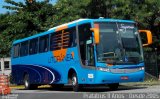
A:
x,y
124,92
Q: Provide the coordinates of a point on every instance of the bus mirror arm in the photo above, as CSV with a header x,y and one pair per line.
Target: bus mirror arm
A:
x,y
96,34
149,36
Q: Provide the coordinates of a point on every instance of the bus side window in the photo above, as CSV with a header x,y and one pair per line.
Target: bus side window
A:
x,y
16,49
43,43
69,37
33,46
72,37
24,48
56,41
63,39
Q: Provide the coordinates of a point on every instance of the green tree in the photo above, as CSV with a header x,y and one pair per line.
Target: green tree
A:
x,y
27,19
69,10
33,16
145,12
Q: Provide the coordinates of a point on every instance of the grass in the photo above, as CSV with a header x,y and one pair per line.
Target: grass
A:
x,y
16,86
22,86
149,81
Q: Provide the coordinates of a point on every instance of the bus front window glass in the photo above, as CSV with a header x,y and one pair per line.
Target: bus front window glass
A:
x,y
119,43
131,42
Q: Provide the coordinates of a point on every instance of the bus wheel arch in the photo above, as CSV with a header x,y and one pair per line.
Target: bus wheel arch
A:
x,y
70,73
73,79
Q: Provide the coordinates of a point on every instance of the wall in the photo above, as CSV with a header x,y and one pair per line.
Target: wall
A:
x,y
5,66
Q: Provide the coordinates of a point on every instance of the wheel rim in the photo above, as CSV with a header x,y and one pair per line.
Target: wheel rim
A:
x,y
26,83
74,80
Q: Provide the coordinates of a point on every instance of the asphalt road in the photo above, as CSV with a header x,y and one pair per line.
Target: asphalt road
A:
x,y
124,92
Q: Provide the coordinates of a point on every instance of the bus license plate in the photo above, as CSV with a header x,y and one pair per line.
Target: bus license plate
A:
x,y
124,77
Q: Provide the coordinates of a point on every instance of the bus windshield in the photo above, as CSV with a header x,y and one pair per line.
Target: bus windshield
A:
x,y
119,43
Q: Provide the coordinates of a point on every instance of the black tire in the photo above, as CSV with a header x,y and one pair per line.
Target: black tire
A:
x,y
26,81
113,86
27,84
75,84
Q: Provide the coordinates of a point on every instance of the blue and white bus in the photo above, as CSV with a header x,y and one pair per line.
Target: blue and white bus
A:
x,y
82,52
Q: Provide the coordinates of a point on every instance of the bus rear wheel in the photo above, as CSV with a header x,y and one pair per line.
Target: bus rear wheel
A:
x,y
27,84
113,86
75,84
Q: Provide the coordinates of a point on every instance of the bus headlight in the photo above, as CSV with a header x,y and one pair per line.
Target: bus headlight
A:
x,y
141,68
103,69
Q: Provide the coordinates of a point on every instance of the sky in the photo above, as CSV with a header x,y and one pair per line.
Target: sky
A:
x,y
2,3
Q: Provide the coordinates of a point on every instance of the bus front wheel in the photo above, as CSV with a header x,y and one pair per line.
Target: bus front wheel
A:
x,y
113,86
75,84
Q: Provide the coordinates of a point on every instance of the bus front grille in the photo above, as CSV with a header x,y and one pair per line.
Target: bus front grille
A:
x,y
124,70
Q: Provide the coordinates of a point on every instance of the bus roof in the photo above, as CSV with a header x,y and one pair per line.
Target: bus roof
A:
x,y
71,24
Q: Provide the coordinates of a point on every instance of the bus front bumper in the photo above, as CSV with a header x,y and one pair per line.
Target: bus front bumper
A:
x,y
108,77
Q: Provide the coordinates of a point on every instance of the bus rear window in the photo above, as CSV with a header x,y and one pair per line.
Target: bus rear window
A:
x,y
24,48
16,50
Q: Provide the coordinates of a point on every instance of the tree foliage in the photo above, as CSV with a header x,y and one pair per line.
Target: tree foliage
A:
x,y
69,10
26,20
32,16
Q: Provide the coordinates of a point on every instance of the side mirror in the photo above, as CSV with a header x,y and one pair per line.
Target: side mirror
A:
x,y
148,36
96,34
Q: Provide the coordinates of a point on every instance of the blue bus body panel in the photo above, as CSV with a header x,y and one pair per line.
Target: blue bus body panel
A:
x,y
43,66
106,78
44,69
74,24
